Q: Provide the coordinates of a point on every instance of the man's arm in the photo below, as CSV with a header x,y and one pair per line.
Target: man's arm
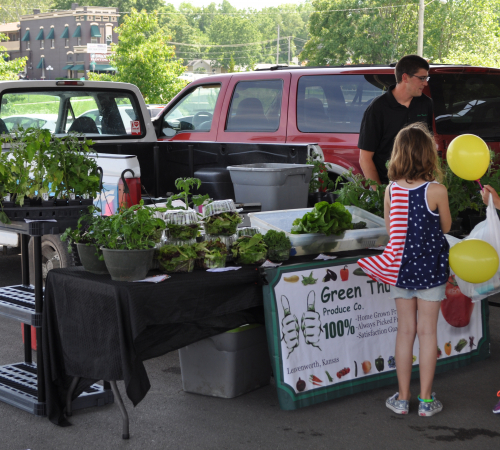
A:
x,y
368,166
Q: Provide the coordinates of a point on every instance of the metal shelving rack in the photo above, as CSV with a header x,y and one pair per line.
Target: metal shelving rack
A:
x,y
23,384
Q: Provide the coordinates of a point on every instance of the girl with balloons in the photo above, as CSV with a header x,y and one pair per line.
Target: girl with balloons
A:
x,y
415,262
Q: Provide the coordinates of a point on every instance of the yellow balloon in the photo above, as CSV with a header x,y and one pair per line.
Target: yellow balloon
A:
x,y
474,260
468,157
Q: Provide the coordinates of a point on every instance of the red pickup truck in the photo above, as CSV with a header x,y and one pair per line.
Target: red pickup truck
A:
x,y
325,106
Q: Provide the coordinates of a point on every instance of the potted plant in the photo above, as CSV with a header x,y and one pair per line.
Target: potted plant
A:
x,y
278,245
320,186
130,242
185,185
249,250
356,193
211,254
177,258
90,233
221,218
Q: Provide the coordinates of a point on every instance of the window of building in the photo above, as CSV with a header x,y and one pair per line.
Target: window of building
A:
x,y
94,40
109,34
52,42
98,18
193,112
66,42
256,106
90,18
105,18
113,18
69,57
27,45
79,41
42,46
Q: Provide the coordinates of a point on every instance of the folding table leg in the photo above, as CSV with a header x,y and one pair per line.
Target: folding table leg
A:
x,y
71,389
118,397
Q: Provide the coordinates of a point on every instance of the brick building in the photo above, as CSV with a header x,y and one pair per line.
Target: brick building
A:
x,y
56,42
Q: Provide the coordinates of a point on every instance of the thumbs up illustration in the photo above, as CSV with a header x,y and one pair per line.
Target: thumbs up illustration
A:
x,y
311,323
289,327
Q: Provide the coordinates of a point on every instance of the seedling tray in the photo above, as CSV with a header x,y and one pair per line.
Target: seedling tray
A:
x,y
51,212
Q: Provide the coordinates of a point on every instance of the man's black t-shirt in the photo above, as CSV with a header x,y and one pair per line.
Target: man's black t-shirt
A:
x,y
382,121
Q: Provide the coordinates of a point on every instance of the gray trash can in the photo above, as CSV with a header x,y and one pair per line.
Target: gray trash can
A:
x,y
275,186
227,365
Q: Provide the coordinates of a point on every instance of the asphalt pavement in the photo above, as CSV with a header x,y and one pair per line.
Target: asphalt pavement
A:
x,y
169,418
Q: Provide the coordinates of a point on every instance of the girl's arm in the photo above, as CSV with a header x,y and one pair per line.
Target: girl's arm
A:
x,y
387,209
437,197
486,194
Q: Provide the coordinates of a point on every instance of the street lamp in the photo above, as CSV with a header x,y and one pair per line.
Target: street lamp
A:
x,y
421,11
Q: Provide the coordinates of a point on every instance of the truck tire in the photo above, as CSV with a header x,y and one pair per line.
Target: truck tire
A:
x,y
54,255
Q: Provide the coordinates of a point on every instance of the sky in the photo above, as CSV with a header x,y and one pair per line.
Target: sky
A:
x,y
240,4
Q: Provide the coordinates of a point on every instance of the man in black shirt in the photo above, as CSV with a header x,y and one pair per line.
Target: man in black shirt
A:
x,y
401,105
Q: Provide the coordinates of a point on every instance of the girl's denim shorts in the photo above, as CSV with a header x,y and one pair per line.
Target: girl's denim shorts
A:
x,y
435,294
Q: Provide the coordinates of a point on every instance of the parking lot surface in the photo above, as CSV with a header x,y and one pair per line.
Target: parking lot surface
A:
x,y
169,418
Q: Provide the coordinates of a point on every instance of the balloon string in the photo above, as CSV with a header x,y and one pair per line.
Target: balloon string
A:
x,y
480,185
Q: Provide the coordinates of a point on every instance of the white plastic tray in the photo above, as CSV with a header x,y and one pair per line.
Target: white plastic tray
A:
x,y
307,244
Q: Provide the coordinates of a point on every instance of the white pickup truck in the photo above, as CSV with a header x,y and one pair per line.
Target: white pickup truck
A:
x,y
116,118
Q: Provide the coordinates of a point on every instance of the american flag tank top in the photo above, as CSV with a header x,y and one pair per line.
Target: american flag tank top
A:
x,y
416,256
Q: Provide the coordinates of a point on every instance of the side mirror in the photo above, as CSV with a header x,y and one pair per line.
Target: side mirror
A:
x,y
169,132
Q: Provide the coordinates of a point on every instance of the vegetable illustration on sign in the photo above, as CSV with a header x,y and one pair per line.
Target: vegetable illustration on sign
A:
x,y
308,280
447,348
366,366
311,323
301,385
460,345
391,362
343,372
439,352
292,279
315,380
289,327
344,274
471,342
456,307
379,363
330,275
330,379
359,272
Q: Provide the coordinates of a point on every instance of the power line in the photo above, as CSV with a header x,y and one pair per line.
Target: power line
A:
x,y
226,45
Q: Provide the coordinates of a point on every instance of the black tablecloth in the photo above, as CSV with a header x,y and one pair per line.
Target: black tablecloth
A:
x,y
99,329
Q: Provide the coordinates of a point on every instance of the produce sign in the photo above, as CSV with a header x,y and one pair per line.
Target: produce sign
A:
x,y
331,332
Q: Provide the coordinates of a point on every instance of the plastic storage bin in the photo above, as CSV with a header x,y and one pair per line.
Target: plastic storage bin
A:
x,y
227,365
275,186
314,243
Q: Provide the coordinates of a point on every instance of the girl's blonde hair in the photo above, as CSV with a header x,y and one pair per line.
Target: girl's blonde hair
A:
x,y
414,155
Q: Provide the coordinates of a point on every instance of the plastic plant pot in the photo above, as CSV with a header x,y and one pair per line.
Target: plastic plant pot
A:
x,y
89,257
214,263
183,266
251,258
278,254
128,265
181,225
215,218
247,231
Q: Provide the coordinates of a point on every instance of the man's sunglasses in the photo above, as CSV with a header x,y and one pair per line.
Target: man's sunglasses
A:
x,y
422,79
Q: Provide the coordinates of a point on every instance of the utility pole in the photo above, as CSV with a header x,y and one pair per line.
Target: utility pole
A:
x,y
289,49
278,47
420,41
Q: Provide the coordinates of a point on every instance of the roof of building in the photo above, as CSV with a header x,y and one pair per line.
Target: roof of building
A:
x,y
11,26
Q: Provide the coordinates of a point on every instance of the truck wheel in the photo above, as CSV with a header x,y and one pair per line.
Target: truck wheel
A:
x,y
54,255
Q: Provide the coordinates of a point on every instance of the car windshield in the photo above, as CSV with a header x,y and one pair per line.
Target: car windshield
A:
x,y
467,103
93,112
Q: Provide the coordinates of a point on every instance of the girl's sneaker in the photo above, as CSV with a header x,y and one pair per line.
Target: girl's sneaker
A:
x,y
496,409
427,409
398,406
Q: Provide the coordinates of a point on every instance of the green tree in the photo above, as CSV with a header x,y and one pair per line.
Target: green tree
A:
x,y
9,70
142,57
234,29
345,32
12,10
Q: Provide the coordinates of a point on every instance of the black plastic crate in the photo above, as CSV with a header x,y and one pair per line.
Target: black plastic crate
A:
x,y
45,213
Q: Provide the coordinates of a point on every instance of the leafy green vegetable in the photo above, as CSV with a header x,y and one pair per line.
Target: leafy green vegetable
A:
x,y
308,280
224,224
359,225
249,250
211,254
177,258
324,218
277,239
184,232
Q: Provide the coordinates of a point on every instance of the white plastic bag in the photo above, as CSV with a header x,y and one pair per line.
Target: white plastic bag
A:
x,y
488,230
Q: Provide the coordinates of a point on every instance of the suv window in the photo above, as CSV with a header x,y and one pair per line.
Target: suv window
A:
x,y
194,111
92,112
336,103
255,106
466,103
